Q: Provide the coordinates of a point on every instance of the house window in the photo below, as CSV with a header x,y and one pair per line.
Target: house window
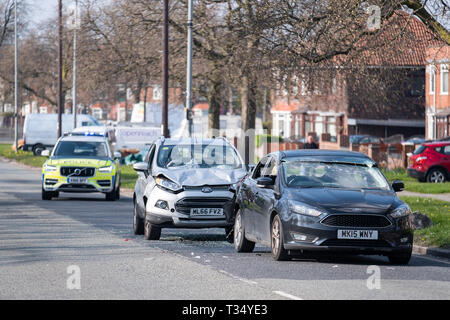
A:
x,y
319,125
295,86
331,127
157,93
444,79
432,79
308,124
304,87
334,85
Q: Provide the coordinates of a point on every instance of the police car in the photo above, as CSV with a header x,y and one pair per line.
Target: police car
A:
x,y
81,162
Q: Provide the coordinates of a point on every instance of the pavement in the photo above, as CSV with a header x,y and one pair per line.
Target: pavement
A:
x,y
42,242
440,196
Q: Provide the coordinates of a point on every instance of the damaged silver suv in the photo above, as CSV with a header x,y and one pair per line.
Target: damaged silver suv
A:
x,y
187,183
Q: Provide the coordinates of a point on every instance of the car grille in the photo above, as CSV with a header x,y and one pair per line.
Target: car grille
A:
x,y
356,220
214,188
77,186
356,243
85,171
184,205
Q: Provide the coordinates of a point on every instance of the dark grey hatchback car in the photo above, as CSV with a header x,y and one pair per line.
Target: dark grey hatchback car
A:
x,y
322,200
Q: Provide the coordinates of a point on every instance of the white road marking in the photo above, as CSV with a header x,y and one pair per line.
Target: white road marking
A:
x,y
287,295
238,278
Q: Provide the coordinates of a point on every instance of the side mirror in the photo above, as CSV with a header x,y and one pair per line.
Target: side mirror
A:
x,y
117,155
398,185
45,153
250,167
140,167
264,182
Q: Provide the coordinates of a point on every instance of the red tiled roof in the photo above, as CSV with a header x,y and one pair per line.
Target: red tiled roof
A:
x,y
201,106
402,42
283,106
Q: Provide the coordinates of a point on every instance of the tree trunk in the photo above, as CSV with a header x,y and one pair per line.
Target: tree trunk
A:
x,y
249,93
214,107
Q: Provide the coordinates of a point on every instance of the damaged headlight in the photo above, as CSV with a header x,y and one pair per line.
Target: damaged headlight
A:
x,y
304,209
167,184
402,211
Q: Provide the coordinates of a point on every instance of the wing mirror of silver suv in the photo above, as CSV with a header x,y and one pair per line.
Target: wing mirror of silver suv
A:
x,y
141,167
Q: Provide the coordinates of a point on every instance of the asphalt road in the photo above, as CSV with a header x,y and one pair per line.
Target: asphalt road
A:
x,y
40,240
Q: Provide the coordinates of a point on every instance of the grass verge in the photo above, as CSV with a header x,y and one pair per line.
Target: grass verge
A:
x,y
25,157
438,235
414,185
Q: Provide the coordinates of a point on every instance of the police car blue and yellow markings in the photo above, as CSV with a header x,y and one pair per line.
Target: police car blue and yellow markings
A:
x,y
104,170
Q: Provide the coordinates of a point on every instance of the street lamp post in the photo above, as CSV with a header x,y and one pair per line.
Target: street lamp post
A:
x,y
60,96
189,66
165,70
74,85
16,82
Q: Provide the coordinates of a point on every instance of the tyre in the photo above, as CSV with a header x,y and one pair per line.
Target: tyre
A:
x,y
151,232
118,193
402,258
229,234
47,195
138,222
436,175
241,244
279,253
111,196
37,149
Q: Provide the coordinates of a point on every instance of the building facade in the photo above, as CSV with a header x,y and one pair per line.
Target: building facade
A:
x,y
437,92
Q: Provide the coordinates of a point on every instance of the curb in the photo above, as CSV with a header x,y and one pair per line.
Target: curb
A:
x,y
436,252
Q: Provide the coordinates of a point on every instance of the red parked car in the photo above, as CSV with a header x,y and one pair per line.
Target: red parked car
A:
x,y
431,162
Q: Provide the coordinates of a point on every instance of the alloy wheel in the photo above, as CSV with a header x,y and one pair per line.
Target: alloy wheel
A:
x,y
437,177
237,230
275,236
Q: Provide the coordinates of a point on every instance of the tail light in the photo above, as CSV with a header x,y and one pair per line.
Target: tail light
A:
x,y
420,160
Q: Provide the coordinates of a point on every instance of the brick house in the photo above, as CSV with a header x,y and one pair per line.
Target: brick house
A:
x,y
437,92
338,102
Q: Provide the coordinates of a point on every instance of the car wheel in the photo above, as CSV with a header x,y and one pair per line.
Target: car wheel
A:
x,y
279,253
436,175
138,222
151,232
47,195
241,244
37,149
55,194
402,258
118,193
111,196
229,231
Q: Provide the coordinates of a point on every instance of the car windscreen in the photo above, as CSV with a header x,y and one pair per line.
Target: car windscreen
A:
x,y
341,175
81,149
200,156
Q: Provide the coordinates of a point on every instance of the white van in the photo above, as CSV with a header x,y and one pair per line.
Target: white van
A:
x,y
41,130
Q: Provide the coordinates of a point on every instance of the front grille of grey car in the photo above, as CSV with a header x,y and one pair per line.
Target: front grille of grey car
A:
x,y
356,243
356,220
84,171
213,188
186,204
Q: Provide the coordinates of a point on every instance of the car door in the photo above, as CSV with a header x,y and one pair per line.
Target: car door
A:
x,y
144,178
446,159
264,201
248,190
